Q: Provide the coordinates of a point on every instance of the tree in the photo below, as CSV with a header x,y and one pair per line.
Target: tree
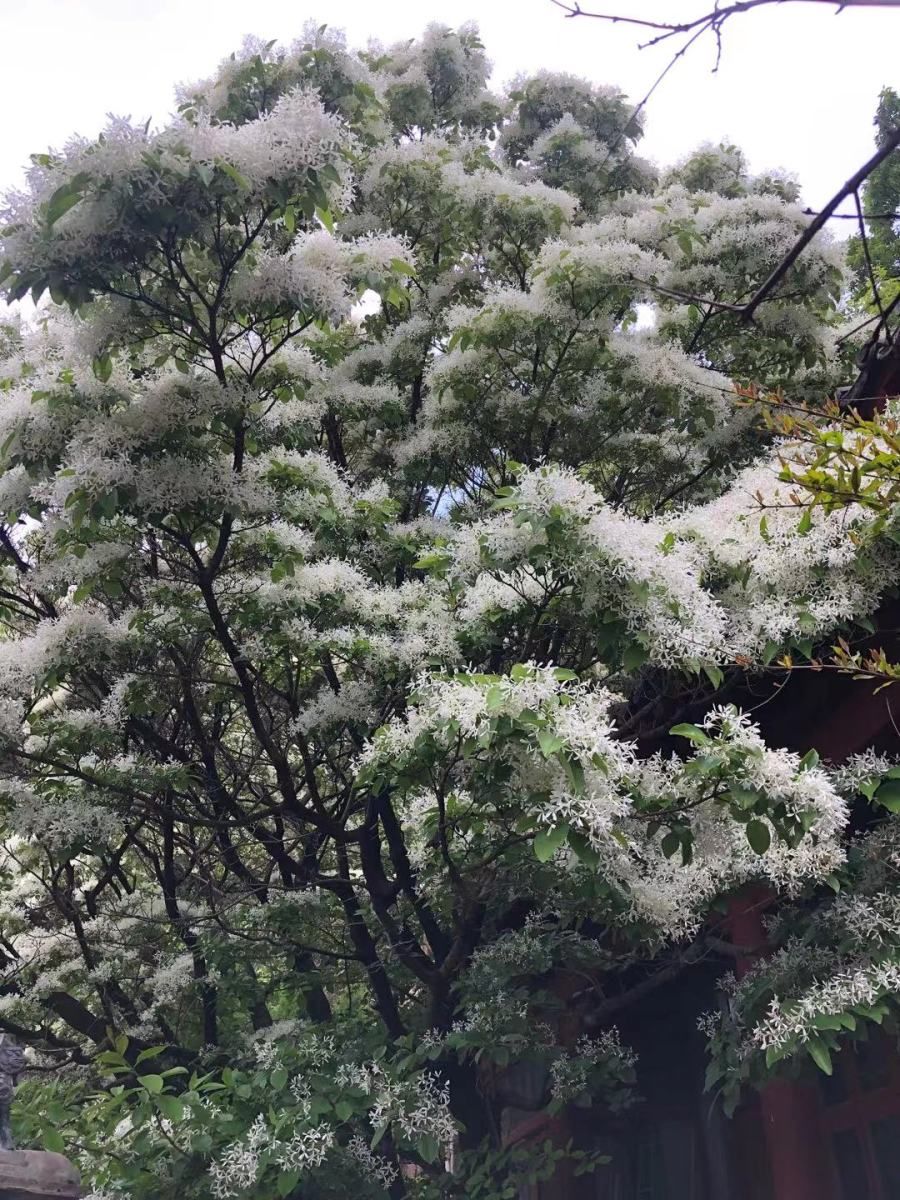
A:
x,y
881,203
358,530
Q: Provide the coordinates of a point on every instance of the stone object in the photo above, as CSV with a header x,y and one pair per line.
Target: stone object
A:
x,y
37,1175
12,1062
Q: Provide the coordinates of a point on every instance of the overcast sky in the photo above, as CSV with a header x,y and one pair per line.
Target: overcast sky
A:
x,y
797,86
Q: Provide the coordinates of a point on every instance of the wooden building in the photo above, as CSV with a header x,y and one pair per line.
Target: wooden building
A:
x,y
818,1138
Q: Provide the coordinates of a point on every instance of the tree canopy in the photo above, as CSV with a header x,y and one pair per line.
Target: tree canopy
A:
x,y
380,492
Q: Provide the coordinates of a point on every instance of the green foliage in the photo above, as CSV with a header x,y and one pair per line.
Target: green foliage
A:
x,y
881,198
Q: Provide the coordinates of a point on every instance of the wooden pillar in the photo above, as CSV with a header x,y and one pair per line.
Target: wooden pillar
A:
x,y
790,1123
788,1110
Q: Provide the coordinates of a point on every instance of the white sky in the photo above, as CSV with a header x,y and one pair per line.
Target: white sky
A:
x,y
797,87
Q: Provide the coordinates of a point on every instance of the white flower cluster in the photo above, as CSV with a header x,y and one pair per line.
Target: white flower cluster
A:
x,y
56,824
569,1071
451,61
862,769
795,1020
374,1166
783,583
79,636
320,273
836,965
717,582
238,1167
572,722
287,63
273,503
493,1015
294,136
418,1106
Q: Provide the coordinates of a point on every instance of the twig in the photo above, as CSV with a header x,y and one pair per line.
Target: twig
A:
x,y
888,216
869,268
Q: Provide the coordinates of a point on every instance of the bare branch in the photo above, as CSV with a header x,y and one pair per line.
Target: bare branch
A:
x,y
710,21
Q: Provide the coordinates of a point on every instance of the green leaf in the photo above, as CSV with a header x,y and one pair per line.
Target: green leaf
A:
x,y
670,843
326,218
65,197
549,742
429,1148
693,732
583,849
102,367
774,1054
769,651
888,795
379,1133
829,1021
575,773
431,561
548,841
820,1054
809,760
343,1110
234,174
400,267
745,798
808,624
153,1083
759,836
634,656
286,1182
278,1078
395,296
171,1107
109,1058
150,1052
53,1140
714,674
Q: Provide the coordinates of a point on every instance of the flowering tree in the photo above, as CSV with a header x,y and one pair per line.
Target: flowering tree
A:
x,y
374,484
